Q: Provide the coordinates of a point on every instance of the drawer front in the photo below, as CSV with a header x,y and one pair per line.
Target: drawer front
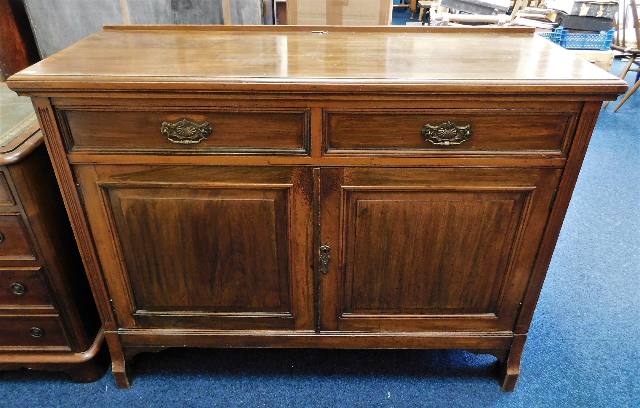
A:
x,y
14,239
23,287
447,132
185,132
31,331
6,198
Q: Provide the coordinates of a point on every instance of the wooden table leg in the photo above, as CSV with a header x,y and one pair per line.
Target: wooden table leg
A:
x,y
624,73
628,95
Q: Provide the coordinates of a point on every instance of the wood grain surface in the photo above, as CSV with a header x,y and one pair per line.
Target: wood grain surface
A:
x,y
161,58
316,214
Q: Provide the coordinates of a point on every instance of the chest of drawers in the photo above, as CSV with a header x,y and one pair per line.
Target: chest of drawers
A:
x,y
316,187
47,316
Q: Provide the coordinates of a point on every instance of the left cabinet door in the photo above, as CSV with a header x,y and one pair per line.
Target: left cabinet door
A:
x,y
203,246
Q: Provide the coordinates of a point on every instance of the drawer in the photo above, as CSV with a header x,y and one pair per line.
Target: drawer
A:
x,y
32,331
14,239
237,131
447,132
23,287
6,198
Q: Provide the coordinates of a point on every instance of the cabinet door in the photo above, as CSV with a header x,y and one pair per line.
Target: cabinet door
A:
x,y
429,249
203,247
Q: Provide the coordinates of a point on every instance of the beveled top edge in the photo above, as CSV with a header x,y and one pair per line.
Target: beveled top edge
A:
x,y
152,58
303,28
43,84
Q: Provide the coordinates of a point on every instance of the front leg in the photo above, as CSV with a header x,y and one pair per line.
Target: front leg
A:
x,y
118,360
120,374
510,364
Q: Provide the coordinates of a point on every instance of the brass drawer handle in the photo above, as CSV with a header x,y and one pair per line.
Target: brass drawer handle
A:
x,y
186,131
1,237
36,332
18,288
446,134
325,258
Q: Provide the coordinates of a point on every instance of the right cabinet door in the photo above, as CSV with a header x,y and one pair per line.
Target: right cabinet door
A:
x,y
414,249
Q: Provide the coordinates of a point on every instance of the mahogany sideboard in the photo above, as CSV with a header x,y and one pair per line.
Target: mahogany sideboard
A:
x,y
48,319
336,187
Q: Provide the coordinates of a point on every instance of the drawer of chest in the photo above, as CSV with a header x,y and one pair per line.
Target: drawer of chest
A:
x,y
15,243
6,197
32,331
23,287
188,131
433,132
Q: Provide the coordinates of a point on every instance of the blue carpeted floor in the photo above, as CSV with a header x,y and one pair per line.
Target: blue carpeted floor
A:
x,y
583,350
400,16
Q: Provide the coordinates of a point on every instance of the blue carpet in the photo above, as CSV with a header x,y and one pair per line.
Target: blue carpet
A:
x,y
400,16
583,351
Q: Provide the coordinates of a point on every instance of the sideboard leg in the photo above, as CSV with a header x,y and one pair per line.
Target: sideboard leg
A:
x,y
118,360
510,365
120,374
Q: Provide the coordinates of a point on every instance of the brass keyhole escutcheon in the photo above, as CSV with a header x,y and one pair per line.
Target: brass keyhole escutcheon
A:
x,y
325,258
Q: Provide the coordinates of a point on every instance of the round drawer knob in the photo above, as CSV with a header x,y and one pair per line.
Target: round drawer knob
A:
x,y
36,332
17,288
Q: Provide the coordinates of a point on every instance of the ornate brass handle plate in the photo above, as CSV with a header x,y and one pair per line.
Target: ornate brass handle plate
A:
x,y
186,131
446,134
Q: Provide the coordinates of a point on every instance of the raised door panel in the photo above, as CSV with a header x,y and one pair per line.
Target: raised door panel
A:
x,y
425,252
423,249
196,249
204,247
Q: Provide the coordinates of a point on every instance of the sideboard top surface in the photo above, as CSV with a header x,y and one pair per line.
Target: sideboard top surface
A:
x,y
316,59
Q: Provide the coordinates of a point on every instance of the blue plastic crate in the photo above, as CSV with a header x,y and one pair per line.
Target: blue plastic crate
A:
x,y
553,36
581,41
